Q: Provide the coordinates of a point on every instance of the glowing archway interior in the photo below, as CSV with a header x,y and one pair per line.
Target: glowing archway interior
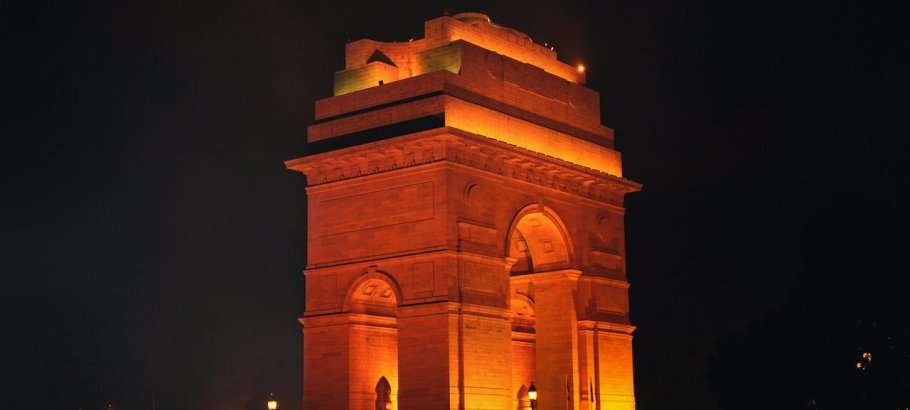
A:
x,y
538,241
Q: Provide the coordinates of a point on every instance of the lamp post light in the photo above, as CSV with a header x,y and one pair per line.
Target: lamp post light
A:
x,y
272,403
532,396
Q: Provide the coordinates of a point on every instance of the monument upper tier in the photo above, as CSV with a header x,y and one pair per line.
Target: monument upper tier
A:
x,y
473,75
410,58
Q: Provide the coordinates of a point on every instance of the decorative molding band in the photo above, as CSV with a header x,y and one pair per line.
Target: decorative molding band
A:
x,y
467,149
524,337
608,327
419,254
616,283
336,319
485,311
542,277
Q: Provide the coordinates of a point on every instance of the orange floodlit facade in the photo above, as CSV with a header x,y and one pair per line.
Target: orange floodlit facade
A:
x,y
465,230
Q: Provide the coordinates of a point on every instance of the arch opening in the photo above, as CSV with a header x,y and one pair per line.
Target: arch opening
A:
x,y
538,241
383,394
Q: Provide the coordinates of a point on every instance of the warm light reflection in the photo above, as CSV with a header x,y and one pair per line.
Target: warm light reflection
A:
x,y
365,328
503,42
511,130
435,52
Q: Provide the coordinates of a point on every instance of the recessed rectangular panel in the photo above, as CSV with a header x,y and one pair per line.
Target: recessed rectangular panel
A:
x,y
422,282
611,299
393,206
322,291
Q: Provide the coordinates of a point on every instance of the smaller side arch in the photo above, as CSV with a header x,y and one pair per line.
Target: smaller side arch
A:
x,y
524,317
524,402
374,292
383,394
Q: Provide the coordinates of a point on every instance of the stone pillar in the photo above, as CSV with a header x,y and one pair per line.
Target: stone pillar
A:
x,y
427,357
373,356
454,356
486,351
614,356
325,363
484,333
587,369
557,340
345,356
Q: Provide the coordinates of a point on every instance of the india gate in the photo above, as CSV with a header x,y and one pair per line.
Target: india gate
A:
x,y
465,230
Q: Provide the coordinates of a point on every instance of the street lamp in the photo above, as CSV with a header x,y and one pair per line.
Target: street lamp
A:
x,y
272,403
532,395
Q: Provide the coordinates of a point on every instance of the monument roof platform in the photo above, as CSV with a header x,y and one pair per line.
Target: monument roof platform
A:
x,y
475,28
469,74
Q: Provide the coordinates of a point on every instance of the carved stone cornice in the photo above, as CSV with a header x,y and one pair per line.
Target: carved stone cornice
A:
x,y
606,327
460,147
347,318
549,276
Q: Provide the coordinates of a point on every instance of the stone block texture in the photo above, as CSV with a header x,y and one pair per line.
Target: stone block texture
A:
x,y
465,230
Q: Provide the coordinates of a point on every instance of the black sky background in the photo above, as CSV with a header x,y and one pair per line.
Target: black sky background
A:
x,y
153,241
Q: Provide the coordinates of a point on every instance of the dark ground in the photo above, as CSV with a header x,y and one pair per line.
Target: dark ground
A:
x,y
153,241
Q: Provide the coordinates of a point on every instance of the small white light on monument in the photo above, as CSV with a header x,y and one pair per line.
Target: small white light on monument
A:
x,y
580,68
272,403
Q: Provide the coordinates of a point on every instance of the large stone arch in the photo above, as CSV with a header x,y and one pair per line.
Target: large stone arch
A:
x,y
539,241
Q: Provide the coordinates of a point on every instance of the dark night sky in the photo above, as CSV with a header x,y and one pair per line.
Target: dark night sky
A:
x,y
153,241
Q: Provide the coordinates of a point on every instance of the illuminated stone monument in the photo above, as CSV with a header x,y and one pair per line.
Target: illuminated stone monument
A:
x,y
465,230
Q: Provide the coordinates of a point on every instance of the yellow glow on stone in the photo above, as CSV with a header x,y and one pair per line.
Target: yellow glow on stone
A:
x,y
479,120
